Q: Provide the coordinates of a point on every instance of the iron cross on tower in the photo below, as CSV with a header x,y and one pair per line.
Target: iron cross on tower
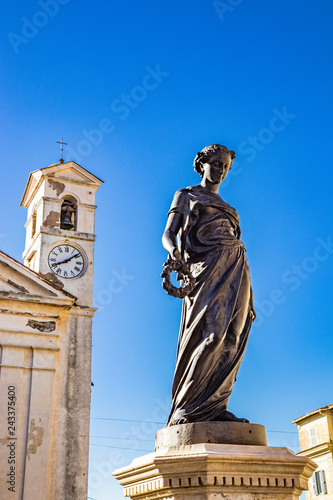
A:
x,y
62,144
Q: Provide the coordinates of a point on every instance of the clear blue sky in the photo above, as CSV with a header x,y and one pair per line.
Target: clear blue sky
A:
x,y
136,89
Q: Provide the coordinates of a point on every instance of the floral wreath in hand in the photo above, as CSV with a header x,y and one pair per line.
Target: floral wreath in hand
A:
x,y
183,269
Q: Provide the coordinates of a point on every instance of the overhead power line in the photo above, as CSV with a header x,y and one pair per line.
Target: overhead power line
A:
x,y
124,420
121,438
285,432
119,448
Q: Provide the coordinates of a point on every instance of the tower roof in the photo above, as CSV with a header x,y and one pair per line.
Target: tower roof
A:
x,y
67,171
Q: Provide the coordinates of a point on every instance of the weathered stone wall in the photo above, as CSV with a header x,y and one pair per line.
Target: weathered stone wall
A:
x,y
45,385
29,334
70,445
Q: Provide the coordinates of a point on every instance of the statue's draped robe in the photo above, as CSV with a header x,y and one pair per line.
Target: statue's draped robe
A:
x,y
217,315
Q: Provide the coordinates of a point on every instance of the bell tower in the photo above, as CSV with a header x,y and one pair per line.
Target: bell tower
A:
x,y
56,332
60,227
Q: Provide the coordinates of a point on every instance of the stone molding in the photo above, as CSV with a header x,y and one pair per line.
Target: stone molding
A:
x,y
205,471
64,234
318,450
36,347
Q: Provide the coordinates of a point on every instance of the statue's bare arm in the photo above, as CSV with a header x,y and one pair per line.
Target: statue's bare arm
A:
x,y
169,238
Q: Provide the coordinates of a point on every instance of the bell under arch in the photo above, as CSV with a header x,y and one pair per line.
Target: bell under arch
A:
x,y
68,213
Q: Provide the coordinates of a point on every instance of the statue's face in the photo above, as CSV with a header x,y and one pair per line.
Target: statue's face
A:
x,y
218,167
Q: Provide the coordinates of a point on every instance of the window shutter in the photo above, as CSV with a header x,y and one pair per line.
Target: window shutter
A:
x,y
321,475
315,487
313,436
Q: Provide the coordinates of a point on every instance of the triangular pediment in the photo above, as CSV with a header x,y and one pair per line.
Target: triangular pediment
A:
x,y
70,170
17,280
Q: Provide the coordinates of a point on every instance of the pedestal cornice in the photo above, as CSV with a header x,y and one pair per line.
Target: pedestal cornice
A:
x,y
216,471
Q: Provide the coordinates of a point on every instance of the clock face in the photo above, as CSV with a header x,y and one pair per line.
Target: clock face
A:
x,y
66,261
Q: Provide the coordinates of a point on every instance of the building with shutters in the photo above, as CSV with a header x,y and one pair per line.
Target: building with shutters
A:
x,y
316,440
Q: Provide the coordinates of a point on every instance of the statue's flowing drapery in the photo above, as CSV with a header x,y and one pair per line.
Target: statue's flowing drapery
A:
x,y
217,315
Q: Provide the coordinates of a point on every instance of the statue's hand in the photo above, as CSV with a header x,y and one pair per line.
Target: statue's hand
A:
x,y
175,254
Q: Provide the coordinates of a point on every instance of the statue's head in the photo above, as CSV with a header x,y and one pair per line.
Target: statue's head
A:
x,y
214,154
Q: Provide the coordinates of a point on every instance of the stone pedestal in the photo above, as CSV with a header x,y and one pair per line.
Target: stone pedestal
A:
x,y
211,432
215,471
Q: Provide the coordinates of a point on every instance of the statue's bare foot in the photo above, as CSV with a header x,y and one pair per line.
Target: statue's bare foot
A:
x,y
227,416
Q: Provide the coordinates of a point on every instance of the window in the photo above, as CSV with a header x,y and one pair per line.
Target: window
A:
x,y
34,221
313,436
33,224
319,485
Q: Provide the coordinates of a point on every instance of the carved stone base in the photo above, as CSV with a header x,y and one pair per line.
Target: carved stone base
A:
x,y
210,471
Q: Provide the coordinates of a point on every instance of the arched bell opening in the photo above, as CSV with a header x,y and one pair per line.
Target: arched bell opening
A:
x,y
68,216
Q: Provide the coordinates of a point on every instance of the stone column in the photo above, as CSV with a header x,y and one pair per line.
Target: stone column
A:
x,y
191,463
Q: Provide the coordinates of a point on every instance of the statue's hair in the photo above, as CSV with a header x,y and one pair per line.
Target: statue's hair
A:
x,y
204,155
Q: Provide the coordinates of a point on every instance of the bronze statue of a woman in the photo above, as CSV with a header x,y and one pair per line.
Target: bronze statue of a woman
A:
x,y
218,312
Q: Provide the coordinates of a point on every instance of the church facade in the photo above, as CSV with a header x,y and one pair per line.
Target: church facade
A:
x,y
45,340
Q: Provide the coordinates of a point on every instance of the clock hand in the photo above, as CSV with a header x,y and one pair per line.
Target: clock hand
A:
x,y
67,260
